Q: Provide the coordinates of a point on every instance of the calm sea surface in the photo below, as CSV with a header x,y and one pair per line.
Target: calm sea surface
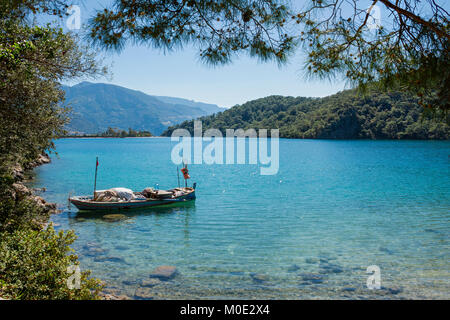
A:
x,y
310,231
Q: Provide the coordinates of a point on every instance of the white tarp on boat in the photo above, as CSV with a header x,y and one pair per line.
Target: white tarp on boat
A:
x,y
114,195
124,193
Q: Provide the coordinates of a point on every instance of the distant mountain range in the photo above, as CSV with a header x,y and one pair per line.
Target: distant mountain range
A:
x,y
97,106
345,115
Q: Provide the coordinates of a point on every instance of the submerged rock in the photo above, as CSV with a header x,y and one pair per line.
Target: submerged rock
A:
x,y
293,268
150,282
90,245
111,290
312,278
386,250
393,290
109,259
164,272
94,251
330,268
259,278
311,260
114,217
107,296
144,293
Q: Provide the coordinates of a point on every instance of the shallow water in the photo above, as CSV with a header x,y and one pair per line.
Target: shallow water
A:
x,y
311,231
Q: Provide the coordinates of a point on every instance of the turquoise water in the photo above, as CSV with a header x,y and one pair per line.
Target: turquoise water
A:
x,y
310,231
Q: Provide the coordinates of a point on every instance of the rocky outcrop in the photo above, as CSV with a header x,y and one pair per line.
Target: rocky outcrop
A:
x,y
20,191
17,173
43,158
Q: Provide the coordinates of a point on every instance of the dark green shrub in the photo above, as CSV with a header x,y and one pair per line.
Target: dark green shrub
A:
x,y
33,265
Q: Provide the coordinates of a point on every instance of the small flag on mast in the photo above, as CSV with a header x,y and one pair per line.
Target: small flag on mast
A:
x,y
185,172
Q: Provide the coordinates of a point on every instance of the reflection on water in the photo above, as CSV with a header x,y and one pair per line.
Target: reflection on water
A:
x,y
335,208
185,207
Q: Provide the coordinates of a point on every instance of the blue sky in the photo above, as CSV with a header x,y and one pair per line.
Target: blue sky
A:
x,y
181,74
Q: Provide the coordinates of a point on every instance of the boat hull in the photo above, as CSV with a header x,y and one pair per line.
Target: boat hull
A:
x,y
85,203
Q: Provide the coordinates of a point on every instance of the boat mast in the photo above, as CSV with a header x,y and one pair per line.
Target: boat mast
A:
x,y
95,181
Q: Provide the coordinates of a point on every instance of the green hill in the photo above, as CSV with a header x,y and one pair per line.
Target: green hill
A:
x,y
98,106
345,115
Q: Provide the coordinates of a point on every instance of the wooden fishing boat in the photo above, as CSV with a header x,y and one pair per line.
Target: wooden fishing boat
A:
x,y
177,195
122,198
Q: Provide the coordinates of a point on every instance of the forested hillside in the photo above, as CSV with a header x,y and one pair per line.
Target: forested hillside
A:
x,y
345,115
98,106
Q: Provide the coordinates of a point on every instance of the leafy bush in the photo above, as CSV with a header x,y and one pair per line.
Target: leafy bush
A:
x,y
33,265
34,60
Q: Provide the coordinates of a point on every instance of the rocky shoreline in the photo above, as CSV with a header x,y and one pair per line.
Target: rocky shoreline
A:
x,y
21,191
21,175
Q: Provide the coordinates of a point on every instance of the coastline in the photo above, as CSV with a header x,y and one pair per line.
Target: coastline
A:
x,y
99,137
23,176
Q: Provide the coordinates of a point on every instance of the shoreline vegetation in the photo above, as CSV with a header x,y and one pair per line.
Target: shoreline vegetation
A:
x,y
33,256
35,59
111,133
349,114
42,227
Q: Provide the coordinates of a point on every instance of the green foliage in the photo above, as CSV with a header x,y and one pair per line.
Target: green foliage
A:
x,y
33,265
346,115
19,213
409,51
33,60
96,106
219,28
33,262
